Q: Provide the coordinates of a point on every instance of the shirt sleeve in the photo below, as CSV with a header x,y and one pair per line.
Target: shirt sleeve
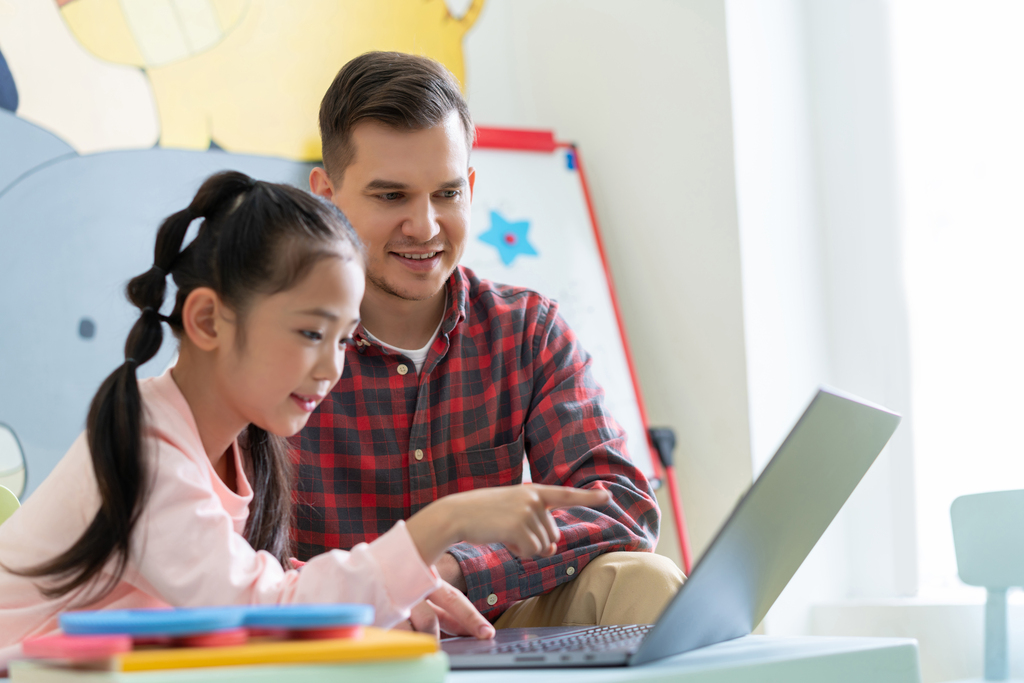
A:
x,y
570,440
185,550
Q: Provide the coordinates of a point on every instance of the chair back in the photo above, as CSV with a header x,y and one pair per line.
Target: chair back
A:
x,y
988,534
8,503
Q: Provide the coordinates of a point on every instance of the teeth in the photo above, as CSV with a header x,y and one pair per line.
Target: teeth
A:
x,y
420,257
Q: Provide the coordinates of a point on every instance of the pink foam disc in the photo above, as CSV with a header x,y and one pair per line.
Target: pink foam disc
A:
x,y
77,647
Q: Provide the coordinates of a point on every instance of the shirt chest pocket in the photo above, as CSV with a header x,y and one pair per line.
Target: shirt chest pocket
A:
x,y
486,467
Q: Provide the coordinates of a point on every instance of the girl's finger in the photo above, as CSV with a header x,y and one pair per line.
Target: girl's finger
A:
x,y
458,616
537,526
527,544
424,619
552,527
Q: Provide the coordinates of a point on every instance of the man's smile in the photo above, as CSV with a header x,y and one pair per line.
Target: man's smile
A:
x,y
419,261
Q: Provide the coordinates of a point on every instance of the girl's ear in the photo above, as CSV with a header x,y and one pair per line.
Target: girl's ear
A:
x,y
202,318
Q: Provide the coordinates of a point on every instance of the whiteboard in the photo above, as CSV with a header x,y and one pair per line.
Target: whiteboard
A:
x,y
532,228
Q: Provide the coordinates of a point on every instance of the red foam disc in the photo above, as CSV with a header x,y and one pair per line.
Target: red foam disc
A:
x,y
327,633
226,638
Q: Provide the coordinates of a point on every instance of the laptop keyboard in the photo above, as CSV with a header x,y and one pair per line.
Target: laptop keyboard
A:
x,y
597,639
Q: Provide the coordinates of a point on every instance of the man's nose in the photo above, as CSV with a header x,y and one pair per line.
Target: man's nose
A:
x,y
421,223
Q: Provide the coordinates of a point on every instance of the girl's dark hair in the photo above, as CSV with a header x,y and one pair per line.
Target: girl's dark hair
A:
x,y
255,238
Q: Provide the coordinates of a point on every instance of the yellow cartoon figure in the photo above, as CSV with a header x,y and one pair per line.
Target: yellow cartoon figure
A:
x,y
248,75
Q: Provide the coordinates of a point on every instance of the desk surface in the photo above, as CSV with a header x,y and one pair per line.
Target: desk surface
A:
x,y
753,659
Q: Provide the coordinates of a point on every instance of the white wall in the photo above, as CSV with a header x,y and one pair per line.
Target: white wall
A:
x,y
643,89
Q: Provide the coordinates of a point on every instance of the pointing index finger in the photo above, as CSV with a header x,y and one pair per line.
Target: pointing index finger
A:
x,y
566,496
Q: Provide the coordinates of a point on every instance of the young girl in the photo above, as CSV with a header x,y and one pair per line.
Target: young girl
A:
x,y
178,492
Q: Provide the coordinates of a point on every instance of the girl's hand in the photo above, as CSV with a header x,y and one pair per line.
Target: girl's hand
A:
x,y
447,610
516,516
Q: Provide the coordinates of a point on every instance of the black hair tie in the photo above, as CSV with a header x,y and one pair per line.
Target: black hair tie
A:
x,y
149,310
131,362
159,271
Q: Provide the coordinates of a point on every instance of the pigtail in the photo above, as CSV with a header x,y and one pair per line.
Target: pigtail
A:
x,y
114,430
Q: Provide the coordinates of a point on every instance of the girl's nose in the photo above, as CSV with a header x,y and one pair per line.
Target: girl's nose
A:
x,y
330,366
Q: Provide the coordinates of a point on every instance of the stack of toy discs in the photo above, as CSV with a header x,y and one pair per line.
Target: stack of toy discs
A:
x,y
321,642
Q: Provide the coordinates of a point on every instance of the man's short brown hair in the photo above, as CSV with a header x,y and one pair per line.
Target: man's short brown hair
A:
x,y
402,91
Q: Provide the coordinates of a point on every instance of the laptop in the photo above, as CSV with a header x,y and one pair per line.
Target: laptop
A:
x,y
754,555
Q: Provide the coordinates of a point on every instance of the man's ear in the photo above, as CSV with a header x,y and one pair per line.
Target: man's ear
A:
x,y
472,181
201,316
320,184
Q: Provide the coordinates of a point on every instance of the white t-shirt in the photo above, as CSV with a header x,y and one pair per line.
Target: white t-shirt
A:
x,y
417,356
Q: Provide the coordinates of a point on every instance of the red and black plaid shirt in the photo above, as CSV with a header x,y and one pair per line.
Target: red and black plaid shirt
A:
x,y
506,377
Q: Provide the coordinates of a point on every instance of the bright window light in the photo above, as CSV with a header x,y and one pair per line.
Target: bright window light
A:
x,y
959,88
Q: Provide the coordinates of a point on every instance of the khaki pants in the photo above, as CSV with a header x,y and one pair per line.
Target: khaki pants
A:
x,y
614,588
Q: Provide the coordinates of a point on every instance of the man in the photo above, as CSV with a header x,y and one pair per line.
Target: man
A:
x,y
453,380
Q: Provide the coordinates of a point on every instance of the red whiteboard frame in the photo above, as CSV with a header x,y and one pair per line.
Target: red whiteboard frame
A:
x,y
544,141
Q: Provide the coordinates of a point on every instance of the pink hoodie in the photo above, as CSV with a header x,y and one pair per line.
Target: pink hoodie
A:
x,y
187,548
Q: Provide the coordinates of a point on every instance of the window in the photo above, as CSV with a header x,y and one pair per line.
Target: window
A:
x,y
960,132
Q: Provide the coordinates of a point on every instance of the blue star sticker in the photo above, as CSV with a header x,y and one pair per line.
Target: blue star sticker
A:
x,y
509,238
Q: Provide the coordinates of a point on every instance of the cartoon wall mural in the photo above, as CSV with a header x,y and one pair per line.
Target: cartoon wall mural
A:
x,y
73,230
241,74
8,89
112,112
92,105
12,461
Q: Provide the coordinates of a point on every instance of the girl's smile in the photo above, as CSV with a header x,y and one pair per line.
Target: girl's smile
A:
x,y
307,403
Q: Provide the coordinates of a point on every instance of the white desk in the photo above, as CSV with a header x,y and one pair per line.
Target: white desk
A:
x,y
753,659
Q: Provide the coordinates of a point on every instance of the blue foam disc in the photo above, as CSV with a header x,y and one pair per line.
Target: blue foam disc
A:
x,y
300,617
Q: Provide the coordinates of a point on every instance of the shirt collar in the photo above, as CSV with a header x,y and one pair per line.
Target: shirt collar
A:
x,y
458,294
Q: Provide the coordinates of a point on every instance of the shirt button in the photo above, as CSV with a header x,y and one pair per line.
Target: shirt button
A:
x,y
418,454
403,369
570,571
492,599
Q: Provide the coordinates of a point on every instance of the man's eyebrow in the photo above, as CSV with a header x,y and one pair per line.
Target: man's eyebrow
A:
x,y
385,185
380,185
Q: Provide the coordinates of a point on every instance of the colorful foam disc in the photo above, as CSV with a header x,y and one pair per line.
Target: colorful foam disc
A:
x,y
149,622
305,617
76,647
327,633
231,637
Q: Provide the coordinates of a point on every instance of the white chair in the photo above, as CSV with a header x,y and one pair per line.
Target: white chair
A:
x,y
988,533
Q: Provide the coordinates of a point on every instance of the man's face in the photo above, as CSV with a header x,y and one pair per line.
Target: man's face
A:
x,y
408,194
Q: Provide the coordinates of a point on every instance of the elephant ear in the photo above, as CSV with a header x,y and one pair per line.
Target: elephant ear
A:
x,y
25,147
151,33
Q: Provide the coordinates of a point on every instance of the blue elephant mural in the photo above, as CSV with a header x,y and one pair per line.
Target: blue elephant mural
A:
x,y
73,230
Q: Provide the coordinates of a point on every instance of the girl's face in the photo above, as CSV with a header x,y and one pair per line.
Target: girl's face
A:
x,y
293,349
